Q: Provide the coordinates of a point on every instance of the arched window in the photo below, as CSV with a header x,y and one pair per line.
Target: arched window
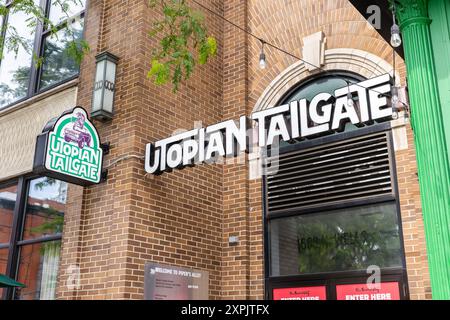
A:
x,y
328,83
331,203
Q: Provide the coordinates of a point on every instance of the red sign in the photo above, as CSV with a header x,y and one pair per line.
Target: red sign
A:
x,y
300,293
384,291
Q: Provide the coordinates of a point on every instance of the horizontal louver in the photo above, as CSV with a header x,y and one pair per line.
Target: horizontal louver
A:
x,y
348,170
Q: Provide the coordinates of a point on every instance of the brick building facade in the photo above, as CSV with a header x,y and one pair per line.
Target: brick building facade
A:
x,y
185,218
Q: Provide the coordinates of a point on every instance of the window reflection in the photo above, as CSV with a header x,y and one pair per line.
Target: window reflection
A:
x,y
45,208
7,202
340,240
57,15
38,270
58,65
15,66
17,77
328,84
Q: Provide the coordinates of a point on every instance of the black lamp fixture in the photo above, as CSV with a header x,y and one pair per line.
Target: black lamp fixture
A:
x,y
104,86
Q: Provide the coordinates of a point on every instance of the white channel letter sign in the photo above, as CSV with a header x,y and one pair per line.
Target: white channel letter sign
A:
x,y
324,114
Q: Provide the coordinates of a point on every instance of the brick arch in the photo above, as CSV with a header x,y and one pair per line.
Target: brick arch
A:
x,y
285,23
360,62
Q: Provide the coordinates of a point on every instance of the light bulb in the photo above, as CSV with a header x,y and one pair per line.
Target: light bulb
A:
x,y
262,60
396,40
394,115
350,102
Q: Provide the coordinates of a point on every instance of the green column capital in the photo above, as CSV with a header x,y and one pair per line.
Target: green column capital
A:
x,y
412,12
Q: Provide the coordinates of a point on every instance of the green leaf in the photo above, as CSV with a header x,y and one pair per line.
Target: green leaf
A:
x,y
176,79
212,46
169,11
160,72
207,49
188,64
184,35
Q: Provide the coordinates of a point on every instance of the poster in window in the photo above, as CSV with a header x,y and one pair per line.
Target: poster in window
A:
x,y
384,291
300,293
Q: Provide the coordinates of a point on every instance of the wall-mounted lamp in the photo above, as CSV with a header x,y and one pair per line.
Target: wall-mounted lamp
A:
x,y
400,103
104,86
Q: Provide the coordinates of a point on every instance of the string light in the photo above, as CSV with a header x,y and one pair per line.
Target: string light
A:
x,y
262,56
396,39
273,45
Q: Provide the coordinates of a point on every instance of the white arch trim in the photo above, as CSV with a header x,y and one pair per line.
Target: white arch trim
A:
x,y
358,61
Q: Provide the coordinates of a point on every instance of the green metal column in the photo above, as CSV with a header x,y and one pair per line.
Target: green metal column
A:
x,y
432,156
439,12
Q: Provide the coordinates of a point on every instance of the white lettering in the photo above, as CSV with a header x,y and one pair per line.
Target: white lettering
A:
x,y
297,120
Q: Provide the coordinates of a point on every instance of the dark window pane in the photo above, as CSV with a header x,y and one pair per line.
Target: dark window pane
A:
x,y
57,14
58,65
7,203
328,84
3,263
15,67
45,208
38,270
339,240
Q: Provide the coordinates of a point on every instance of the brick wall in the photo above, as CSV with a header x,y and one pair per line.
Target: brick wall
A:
x,y
344,27
130,219
235,259
185,217
412,221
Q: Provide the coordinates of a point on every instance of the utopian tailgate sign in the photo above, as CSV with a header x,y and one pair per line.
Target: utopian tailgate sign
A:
x,y
324,114
384,291
70,149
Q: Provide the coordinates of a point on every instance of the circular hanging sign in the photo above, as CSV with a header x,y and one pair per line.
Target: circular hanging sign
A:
x,y
69,149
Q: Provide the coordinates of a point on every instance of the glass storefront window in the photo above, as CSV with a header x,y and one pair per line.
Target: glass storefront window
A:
x,y
38,270
45,208
58,65
57,15
42,222
7,202
338,240
15,66
20,74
